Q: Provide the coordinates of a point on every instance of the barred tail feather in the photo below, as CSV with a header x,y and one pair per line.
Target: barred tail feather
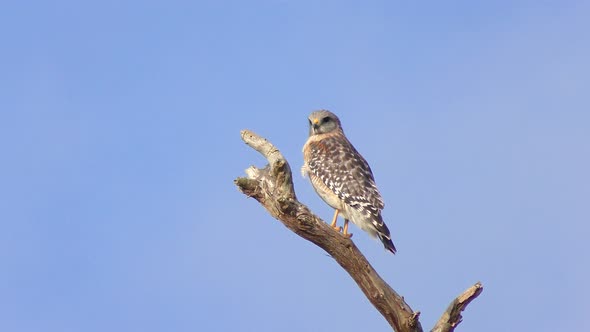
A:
x,y
383,233
387,243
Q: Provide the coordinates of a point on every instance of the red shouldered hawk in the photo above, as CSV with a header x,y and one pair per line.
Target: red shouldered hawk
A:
x,y
343,178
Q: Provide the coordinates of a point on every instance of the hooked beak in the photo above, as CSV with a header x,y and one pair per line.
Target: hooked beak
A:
x,y
315,123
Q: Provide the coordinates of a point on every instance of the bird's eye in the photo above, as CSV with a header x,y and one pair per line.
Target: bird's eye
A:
x,y
326,119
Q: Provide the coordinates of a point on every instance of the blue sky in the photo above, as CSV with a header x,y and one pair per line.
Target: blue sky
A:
x,y
120,141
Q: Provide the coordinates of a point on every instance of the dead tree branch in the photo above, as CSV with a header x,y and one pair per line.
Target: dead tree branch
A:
x,y
272,186
452,316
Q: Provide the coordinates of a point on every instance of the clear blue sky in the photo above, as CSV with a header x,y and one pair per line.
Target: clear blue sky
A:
x,y
119,140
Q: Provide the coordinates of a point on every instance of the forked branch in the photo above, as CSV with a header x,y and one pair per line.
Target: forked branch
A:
x,y
272,186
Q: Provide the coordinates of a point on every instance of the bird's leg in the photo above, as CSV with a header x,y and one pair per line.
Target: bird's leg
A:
x,y
345,231
333,224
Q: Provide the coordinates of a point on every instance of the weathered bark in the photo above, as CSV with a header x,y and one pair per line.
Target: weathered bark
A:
x,y
272,186
452,316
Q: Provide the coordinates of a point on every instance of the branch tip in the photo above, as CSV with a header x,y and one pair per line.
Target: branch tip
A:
x,y
452,316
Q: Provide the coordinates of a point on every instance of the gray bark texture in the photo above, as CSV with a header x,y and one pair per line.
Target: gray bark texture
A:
x,y
272,186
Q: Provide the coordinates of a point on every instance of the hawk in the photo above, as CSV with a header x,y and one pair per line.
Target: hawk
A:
x,y
343,178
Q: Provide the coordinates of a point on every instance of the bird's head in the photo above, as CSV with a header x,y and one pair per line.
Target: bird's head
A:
x,y
321,122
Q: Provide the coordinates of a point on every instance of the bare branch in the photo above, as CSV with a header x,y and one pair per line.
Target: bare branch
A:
x,y
272,186
452,316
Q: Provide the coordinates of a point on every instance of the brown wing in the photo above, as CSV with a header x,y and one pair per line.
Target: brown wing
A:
x,y
342,169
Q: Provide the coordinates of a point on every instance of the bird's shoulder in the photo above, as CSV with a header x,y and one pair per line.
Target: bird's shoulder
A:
x,y
342,168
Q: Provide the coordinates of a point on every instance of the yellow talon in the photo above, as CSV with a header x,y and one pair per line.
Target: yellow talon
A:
x,y
345,231
333,224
